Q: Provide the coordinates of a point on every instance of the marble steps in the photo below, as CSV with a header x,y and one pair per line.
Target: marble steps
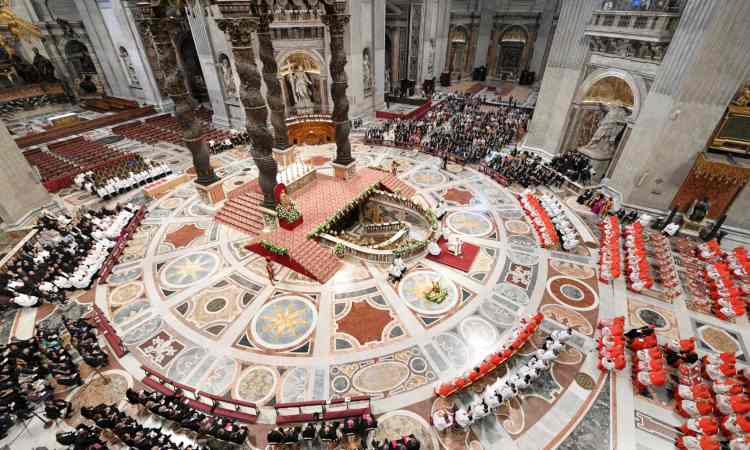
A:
x,y
316,259
393,184
241,212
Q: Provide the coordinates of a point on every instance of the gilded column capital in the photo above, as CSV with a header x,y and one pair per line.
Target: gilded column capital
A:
x,y
239,30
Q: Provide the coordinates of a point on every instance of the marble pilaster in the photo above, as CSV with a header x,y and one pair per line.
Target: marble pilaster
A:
x,y
682,110
441,35
378,44
486,18
562,77
544,35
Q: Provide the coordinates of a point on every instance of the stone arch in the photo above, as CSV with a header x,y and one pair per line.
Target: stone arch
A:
x,y
458,49
636,83
310,64
79,57
513,51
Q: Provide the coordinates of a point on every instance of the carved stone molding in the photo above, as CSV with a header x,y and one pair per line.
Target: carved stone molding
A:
x,y
628,48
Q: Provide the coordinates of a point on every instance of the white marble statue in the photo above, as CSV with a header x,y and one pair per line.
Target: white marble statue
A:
x,y
604,141
227,75
302,89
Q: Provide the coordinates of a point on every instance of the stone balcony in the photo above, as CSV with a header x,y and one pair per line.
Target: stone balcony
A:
x,y
637,34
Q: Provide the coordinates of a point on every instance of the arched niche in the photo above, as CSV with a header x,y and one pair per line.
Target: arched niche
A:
x,y
303,77
512,52
603,91
458,46
77,55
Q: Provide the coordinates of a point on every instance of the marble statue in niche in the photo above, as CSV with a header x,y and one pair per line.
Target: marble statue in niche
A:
x,y
227,76
44,68
366,71
606,137
132,76
301,88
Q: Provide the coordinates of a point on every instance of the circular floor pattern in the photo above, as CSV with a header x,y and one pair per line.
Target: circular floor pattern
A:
x,y
469,223
572,293
512,292
568,318
655,318
396,424
380,377
517,226
524,258
415,285
428,178
293,386
257,384
478,333
189,270
523,242
572,269
126,293
284,322
718,340
453,348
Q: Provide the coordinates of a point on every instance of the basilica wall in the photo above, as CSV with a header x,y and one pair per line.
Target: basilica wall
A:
x,y
682,109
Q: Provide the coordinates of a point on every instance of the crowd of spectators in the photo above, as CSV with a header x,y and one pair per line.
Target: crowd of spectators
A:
x,y
325,434
67,255
175,408
235,139
460,126
111,181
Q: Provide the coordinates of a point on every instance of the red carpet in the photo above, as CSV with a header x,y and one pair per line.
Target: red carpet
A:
x,y
462,263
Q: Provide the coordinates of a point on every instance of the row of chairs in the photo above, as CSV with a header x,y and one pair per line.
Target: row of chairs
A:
x,y
205,402
49,166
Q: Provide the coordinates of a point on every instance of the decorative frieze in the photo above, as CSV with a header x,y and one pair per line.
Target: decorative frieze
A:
x,y
628,48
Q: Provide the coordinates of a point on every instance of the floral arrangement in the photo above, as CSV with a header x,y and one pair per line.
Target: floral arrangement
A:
x,y
437,294
327,226
275,249
288,213
339,250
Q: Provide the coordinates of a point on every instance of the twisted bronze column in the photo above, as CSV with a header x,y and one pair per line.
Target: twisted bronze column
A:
x,y
337,21
271,77
163,31
239,31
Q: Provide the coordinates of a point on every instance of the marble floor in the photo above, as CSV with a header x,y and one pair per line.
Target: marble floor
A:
x,y
190,301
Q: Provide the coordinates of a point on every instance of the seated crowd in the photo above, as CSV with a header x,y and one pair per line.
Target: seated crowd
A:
x,y
175,408
325,434
128,430
459,127
111,181
86,342
67,255
26,368
524,168
235,139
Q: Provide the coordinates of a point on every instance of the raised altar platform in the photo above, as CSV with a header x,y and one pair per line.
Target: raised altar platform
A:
x,y
318,199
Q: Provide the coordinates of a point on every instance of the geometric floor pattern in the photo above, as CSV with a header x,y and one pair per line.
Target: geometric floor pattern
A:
x,y
190,301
